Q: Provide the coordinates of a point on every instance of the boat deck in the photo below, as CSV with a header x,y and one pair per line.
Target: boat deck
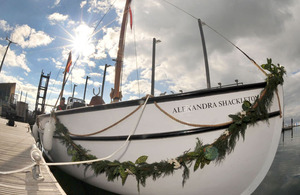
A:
x,y
15,146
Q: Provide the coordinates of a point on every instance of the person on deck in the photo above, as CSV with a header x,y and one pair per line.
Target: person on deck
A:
x,y
62,105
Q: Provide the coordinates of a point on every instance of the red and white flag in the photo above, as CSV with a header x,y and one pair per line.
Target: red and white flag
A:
x,y
69,63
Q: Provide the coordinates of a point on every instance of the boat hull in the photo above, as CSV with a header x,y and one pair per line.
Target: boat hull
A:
x,y
163,137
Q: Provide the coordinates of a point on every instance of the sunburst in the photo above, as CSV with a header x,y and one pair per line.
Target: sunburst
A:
x,y
82,41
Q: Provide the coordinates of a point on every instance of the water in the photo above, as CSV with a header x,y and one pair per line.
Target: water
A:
x,y
284,174
282,178
73,186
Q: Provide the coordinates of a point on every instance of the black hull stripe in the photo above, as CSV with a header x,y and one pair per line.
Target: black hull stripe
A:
x,y
159,135
160,99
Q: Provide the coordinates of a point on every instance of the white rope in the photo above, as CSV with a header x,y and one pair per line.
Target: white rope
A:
x,y
109,156
17,170
36,156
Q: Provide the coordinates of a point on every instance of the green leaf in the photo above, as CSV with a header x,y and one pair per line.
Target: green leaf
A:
x,y
123,174
113,164
246,119
234,117
141,159
269,60
132,169
232,127
197,163
192,154
246,105
224,144
124,178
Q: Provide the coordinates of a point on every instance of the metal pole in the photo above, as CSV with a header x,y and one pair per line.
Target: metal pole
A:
x,y
205,54
21,96
153,66
103,81
9,42
74,90
86,80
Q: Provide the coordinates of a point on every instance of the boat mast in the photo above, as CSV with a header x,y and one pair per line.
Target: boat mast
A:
x,y
204,54
116,95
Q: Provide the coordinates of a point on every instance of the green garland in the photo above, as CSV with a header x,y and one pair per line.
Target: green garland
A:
x,y
202,154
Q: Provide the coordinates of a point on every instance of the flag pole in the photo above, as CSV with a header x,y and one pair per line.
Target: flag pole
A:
x,y
63,84
69,63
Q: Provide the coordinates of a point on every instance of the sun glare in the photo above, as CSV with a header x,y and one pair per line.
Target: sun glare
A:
x,y
82,42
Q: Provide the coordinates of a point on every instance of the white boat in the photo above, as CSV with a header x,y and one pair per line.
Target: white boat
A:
x,y
166,129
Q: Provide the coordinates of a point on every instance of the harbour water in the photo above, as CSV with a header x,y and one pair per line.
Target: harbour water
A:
x,y
282,178
284,174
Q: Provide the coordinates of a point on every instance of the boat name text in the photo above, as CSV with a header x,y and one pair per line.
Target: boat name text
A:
x,y
210,105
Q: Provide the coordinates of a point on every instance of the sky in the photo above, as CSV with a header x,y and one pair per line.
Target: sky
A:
x,y
44,32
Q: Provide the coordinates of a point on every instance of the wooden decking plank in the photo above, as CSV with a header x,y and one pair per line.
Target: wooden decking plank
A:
x,y
15,146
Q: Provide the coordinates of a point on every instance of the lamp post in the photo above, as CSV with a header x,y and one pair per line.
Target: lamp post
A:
x,y
74,90
86,80
103,81
153,65
9,42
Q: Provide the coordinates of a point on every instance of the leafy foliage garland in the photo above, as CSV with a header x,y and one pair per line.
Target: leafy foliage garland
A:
x,y
202,154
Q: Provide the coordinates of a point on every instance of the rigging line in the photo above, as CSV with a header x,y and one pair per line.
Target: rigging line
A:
x,y
75,64
106,26
136,60
52,86
71,81
104,16
226,39
112,154
59,96
180,9
203,23
89,38
93,33
98,31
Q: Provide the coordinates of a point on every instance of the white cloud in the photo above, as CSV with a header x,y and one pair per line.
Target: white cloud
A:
x,y
108,44
82,4
14,60
261,28
96,6
42,59
55,82
179,57
137,87
97,84
94,74
56,2
58,64
4,26
78,76
57,17
28,37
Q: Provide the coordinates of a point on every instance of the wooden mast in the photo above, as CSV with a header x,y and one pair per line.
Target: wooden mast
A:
x,y
116,93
